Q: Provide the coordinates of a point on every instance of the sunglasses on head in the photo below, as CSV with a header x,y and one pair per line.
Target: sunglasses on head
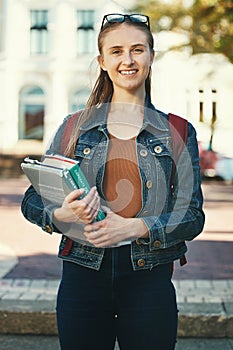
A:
x,y
119,18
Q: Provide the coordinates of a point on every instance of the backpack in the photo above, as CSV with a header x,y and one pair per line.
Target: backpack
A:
x,y
179,131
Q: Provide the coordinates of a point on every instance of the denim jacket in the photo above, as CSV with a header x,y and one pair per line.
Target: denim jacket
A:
x,y
171,219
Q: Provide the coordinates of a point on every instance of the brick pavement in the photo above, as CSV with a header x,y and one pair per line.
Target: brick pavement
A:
x,y
209,255
188,291
205,307
27,305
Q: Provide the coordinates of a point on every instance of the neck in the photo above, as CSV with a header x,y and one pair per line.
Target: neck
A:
x,y
137,98
125,119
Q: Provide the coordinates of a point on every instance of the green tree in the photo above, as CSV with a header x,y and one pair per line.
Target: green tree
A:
x,y
207,23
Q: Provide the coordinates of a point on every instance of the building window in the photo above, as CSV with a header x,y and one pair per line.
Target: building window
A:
x,y
39,32
213,117
78,99
31,113
201,105
207,106
85,31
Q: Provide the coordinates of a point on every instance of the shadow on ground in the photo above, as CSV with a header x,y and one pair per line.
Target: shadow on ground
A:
x,y
38,266
206,260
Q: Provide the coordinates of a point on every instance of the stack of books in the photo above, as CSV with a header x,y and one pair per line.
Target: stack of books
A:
x,y
55,177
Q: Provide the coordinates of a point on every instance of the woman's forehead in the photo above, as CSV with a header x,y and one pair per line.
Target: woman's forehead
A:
x,y
124,34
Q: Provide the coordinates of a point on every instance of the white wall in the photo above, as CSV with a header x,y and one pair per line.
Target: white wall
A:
x,y
177,77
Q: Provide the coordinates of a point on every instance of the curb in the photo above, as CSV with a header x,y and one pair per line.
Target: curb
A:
x,y
39,318
210,320
26,317
205,307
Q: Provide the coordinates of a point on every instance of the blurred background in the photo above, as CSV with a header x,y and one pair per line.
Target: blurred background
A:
x,y
48,65
47,68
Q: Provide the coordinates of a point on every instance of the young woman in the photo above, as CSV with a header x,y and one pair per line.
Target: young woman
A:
x,y
117,284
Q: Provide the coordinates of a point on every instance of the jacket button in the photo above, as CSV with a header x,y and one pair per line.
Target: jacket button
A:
x,y
143,152
138,242
48,229
158,149
141,262
157,244
86,150
149,184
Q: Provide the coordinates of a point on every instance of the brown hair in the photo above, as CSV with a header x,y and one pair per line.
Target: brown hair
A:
x,y
103,88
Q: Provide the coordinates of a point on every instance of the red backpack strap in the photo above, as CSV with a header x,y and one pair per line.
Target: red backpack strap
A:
x,y
71,122
179,132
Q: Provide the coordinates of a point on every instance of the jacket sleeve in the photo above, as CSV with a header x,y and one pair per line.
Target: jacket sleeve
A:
x,y
34,208
37,212
186,219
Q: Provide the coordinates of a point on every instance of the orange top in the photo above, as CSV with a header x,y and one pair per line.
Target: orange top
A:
x,y
122,182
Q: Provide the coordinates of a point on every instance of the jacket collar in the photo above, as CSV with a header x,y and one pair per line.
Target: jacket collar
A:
x,y
153,119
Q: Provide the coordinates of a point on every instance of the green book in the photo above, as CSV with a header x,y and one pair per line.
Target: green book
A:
x,y
55,177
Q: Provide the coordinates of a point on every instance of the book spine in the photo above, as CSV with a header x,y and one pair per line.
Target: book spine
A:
x,y
69,180
101,215
82,182
80,178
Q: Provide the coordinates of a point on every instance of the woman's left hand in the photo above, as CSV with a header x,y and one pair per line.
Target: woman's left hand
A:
x,y
114,229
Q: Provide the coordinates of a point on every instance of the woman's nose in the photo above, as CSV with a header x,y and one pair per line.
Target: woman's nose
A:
x,y
128,58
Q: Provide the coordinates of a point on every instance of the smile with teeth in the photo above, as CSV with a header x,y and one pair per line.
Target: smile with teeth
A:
x,y
128,72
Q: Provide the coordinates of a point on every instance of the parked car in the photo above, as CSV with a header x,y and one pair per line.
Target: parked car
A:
x,y
214,165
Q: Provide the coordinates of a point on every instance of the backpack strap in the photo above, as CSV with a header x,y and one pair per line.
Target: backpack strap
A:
x,y
71,121
70,124
179,132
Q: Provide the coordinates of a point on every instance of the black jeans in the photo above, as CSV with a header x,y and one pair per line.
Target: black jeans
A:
x,y
136,307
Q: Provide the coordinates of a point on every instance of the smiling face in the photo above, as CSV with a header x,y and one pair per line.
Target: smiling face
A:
x,y
126,57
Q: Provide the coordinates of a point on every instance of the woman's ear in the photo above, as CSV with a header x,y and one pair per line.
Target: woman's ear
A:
x,y
101,62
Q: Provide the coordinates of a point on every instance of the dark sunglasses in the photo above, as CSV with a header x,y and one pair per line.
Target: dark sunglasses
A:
x,y
119,18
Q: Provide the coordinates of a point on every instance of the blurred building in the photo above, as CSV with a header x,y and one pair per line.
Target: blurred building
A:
x,y
47,66
198,87
47,69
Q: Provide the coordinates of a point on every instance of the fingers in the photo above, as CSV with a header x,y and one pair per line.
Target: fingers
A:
x,y
91,204
93,200
98,238
86,209
95,226
74,195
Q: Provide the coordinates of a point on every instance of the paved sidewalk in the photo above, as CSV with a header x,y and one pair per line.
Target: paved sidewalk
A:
x,y
205,307
8,259
27,305
32,342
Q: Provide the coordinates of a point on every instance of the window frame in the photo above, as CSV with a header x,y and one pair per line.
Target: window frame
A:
x,y
28,100
85,31
39,34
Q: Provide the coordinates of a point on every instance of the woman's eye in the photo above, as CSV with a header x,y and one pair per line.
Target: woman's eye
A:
x,y
138,50
116,52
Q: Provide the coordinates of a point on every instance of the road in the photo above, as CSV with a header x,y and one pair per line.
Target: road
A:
x,y
209,255
29,342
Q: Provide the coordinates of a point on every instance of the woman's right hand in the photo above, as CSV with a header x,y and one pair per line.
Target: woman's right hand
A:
x,y
77,210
